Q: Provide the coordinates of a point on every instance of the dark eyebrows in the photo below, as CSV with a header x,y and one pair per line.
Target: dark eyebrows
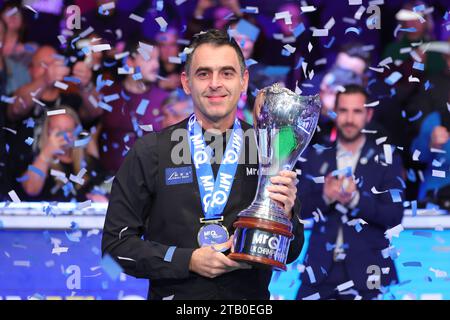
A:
x,y
208,69
203,69
344,108
229,68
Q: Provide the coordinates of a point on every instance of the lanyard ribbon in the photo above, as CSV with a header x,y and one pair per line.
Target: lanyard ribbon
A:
x,y
214,193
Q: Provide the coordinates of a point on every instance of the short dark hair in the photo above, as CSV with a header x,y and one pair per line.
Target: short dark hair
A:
x,y
349,89
216,38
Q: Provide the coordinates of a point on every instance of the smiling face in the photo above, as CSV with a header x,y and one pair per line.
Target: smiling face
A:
x,y
352,116
215,82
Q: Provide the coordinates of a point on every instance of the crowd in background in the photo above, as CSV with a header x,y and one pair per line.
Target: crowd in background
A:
x,y
73,101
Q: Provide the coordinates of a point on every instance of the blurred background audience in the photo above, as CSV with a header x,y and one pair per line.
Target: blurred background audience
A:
x,y
117,78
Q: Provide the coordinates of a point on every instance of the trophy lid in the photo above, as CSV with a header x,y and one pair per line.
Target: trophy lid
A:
x,y
286,98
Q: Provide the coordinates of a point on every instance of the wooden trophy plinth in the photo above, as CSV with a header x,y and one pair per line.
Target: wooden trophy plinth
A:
x,y
261,243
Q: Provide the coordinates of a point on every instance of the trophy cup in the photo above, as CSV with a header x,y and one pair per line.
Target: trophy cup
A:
x,y
284,124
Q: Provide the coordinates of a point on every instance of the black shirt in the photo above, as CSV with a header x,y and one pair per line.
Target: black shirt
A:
x,y
145,203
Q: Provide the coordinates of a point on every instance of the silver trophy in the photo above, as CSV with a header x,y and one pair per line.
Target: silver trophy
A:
x,y
284,124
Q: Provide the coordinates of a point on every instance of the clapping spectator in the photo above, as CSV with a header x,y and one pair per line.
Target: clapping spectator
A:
x,y
350,221
61,171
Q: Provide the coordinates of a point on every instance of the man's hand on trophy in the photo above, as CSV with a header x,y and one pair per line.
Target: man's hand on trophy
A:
x,y
209,262
284,190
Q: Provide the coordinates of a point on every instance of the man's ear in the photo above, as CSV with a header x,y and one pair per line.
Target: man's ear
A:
x,y
185,82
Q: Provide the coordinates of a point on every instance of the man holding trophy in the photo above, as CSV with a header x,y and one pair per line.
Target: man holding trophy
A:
x,y
182,193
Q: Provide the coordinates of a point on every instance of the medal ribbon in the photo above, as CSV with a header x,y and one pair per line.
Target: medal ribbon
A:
x,y
214,193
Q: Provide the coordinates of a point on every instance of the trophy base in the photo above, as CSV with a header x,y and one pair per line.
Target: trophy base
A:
x,y
258,262
261,243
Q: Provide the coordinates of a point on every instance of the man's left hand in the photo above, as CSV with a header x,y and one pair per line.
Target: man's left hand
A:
x,y
284,190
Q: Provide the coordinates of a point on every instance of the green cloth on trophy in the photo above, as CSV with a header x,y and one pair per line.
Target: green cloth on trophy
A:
x,y
285,143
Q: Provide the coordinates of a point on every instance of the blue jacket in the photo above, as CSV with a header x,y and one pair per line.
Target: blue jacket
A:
x,y
422,143
362,246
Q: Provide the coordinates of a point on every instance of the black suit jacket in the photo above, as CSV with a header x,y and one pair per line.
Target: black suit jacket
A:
x,y
144,203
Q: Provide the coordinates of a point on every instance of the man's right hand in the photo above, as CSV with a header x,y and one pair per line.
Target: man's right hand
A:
x,y
210,263
56,71
439,137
